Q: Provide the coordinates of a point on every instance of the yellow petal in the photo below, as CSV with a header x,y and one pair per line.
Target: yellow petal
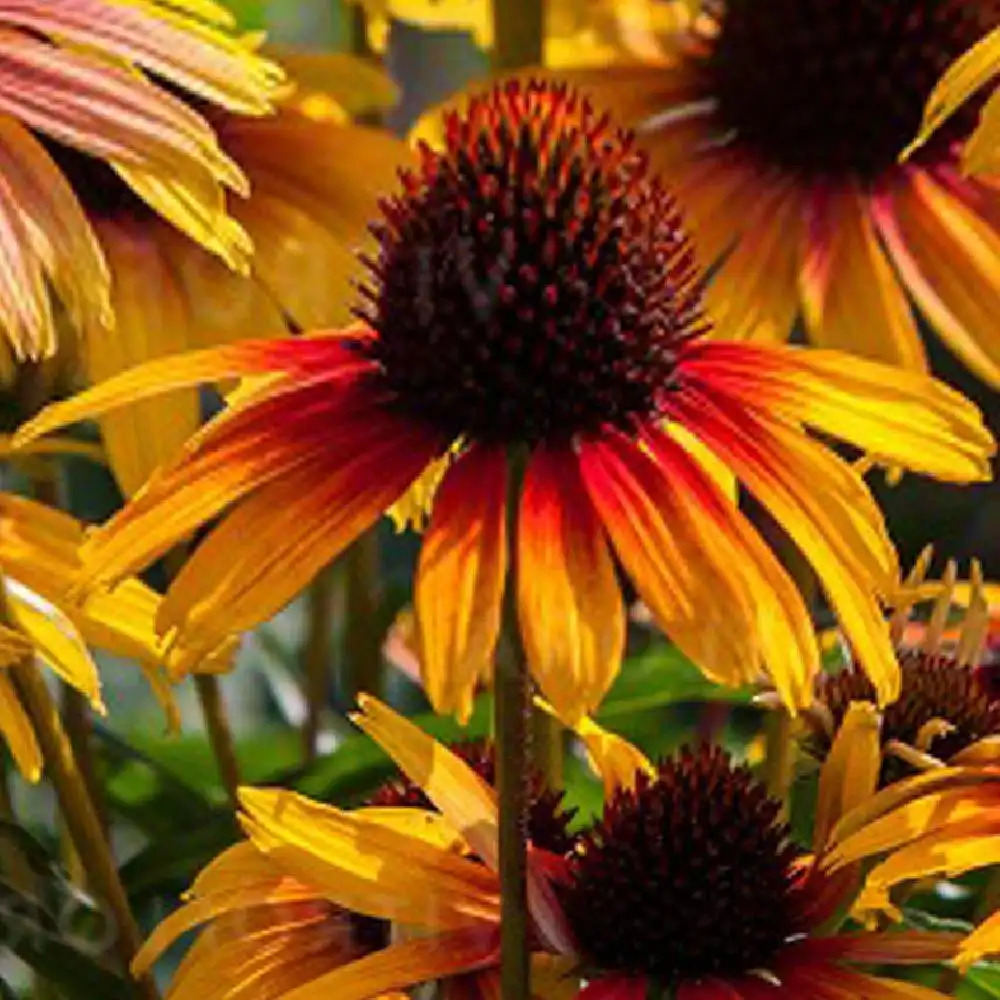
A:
x,y
464,799
15,726
368,866
983,941
850,772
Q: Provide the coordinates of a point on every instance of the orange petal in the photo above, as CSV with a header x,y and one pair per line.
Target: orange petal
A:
x,y
570,607
465,800
823,505
982,942
851,298
460,579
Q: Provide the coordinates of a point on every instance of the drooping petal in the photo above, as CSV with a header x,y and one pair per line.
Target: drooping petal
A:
x,y
570,606
949,259
368,866
460,579
16,729
455,789
672,551
850,772
851,298
405,964
273,543
851,984
906,417
825,508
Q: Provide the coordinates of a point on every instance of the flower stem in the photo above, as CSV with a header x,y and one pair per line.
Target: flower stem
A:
x,y
362,633
80,815
779,756
512,701
219,734
316,656
518,33
213,706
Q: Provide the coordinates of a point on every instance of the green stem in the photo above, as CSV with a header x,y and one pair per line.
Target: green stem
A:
x,y
213,708
547,750
80,815
362,632
512,700
13,863
779,756
79,728
518,33
316,657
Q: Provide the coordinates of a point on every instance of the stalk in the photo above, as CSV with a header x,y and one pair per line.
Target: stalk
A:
x,y
316,657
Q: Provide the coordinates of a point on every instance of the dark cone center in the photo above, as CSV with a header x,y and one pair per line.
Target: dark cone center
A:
x,y
835,88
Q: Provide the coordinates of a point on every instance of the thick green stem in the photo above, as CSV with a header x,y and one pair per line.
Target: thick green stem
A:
x,y
518,33
80,815
779,756
547,750
316,657
512,711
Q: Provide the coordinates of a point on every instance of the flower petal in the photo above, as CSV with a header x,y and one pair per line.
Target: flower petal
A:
x,y
460,579
850,772
851,298
570,606
467,803
16,729
983,941
368,866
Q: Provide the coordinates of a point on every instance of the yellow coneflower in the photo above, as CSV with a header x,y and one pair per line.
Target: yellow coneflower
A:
x,y
85,78
270,924
781,126
965,79
535,306
688,880
948,711
39,566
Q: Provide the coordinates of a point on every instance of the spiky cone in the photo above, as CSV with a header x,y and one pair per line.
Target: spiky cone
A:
x,y
420,901
781,128
40,567
688,882
948,712
535,291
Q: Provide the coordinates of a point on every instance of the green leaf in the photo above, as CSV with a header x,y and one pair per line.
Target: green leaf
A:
x,y
986,978
47,949
663,676
921,920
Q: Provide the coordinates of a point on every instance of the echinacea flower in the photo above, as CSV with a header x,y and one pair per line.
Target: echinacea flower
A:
x,y
966,80
323,900
687,880
97,79
780,126
39,567
534,314
947,712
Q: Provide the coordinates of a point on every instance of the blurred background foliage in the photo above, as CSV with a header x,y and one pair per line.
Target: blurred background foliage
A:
x,y
164,801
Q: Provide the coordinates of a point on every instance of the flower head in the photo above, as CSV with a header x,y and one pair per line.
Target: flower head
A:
x,y
947,711
781,127
535,307
92,82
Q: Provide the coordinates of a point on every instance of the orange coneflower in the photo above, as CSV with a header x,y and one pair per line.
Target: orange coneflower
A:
x,y
688,880
781,126
948,711
270,923
535,306
88,78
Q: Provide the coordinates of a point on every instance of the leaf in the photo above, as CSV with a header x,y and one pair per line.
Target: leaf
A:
x,y
921,920
662,676
79,975
986,978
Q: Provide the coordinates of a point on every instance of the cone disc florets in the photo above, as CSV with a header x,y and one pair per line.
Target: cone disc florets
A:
x,y
838,87
532,281
688,875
